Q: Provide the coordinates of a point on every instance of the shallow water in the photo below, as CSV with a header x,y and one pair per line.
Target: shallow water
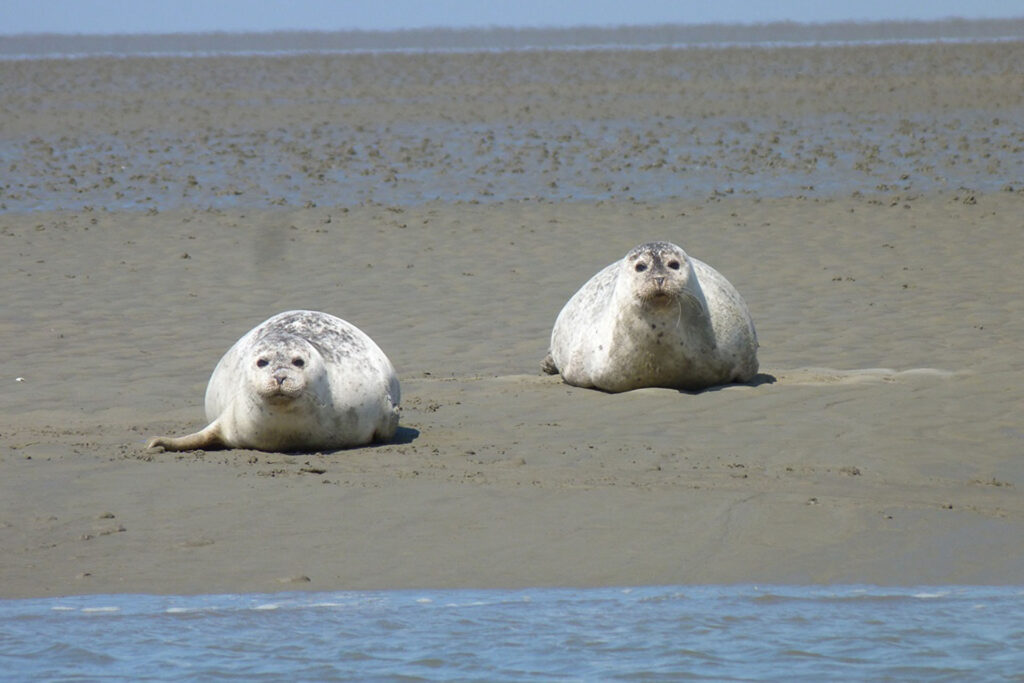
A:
x,y
416,161
258,131
648,633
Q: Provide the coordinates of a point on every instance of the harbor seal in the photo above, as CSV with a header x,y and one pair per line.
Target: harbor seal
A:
x,y
655,318
299,381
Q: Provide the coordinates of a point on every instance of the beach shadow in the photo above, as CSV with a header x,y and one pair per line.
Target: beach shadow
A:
x,y
404,435
760,378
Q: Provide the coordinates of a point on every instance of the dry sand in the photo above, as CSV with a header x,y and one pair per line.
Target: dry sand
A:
x,y
883,443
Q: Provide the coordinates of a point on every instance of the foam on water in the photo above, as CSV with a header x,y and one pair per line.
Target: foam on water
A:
x,y
718,632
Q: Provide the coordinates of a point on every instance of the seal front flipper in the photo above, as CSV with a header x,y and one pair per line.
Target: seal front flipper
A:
x,y
547,366
209,438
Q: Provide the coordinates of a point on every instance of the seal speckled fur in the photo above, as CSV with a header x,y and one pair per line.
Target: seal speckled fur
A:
x,y
655,318
299,381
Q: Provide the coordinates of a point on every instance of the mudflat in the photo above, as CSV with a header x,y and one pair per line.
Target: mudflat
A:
x,y
866,201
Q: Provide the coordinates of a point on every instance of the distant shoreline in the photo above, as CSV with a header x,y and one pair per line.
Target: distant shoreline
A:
x,y
30,46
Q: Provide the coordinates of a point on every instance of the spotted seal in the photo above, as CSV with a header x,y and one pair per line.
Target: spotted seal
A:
x,y
655,318
299,381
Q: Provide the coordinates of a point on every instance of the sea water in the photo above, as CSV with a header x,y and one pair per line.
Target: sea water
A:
x,y
641,633
411,158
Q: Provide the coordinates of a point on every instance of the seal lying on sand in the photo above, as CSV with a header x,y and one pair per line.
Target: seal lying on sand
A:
x,y
655,318
299,381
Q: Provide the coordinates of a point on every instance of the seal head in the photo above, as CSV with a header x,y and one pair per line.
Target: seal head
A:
x,y
287,369
659,276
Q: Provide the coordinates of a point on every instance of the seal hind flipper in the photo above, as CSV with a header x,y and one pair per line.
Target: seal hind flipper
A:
x,y
206,439
547,366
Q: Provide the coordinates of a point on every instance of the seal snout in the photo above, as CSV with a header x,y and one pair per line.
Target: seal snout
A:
x,y
282,372
660,287
658,291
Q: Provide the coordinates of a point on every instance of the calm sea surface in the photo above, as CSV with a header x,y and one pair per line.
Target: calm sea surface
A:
x,y
648,633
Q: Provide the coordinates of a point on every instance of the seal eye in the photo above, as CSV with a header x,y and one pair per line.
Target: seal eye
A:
x,y
674,265
298,362
641,267
262,363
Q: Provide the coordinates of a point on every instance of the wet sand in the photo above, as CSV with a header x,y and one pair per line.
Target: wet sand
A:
x,y
883,442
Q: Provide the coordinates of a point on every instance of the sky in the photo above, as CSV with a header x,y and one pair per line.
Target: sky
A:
x,y
189,16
